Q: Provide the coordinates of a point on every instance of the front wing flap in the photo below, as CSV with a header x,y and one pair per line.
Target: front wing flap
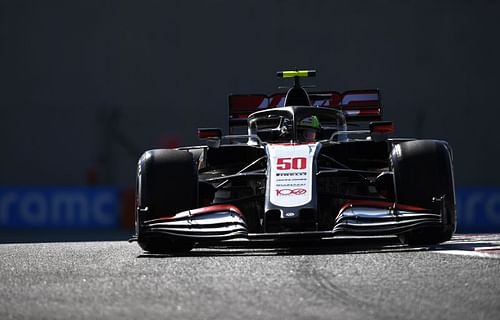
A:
x,y
357,218
217,222
379,218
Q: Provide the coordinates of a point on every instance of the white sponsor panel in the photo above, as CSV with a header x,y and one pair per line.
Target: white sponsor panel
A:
x,y
291,170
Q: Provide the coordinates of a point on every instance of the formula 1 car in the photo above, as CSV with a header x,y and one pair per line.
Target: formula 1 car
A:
x,y
300,165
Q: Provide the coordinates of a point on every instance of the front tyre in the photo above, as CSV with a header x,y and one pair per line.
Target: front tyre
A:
x,y
167,183
423,171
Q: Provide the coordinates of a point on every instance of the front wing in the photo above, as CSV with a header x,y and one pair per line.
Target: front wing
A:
x,y
356,218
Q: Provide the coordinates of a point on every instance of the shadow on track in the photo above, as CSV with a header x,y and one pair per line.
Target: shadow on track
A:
x,y
32,235
291,248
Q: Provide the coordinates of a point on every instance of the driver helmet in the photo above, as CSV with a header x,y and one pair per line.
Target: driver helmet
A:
x,y
308,128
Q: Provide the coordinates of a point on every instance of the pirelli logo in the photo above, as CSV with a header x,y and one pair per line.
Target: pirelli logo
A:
x,y
291,174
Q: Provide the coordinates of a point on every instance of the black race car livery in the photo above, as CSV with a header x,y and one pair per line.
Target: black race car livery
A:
x,y
296,165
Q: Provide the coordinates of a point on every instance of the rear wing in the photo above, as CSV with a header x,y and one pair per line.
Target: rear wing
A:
x,y
357,105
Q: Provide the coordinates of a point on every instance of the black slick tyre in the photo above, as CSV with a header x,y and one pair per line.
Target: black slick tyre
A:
x,y
423,171
167,183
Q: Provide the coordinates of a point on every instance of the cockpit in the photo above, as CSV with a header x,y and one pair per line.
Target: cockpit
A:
x,y
297,124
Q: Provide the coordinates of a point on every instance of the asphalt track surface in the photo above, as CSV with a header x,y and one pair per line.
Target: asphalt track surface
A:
x,y
348,279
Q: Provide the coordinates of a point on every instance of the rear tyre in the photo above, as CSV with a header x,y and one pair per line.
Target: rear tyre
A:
x,y
423,170
167,183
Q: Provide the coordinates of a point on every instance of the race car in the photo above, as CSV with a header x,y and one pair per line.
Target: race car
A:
x,y
296,165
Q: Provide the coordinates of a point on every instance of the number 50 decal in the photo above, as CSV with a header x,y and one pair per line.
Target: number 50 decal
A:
x,y
296,163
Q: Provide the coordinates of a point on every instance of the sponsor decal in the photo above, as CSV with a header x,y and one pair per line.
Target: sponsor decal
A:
x,y
290,192
478,209
59,207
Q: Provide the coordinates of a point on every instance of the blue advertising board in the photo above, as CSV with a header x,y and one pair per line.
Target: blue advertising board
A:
x,y
478,209
59,207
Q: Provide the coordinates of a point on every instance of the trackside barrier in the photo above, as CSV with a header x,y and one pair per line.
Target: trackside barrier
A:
x,y
478,208
60,207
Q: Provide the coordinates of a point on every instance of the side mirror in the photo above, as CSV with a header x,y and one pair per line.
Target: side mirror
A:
x,y
211,135
380,129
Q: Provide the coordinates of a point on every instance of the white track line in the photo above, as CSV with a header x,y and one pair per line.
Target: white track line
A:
x,y
478,245
470,253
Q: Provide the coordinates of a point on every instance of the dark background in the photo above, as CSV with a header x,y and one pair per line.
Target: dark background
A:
x,y
86,86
